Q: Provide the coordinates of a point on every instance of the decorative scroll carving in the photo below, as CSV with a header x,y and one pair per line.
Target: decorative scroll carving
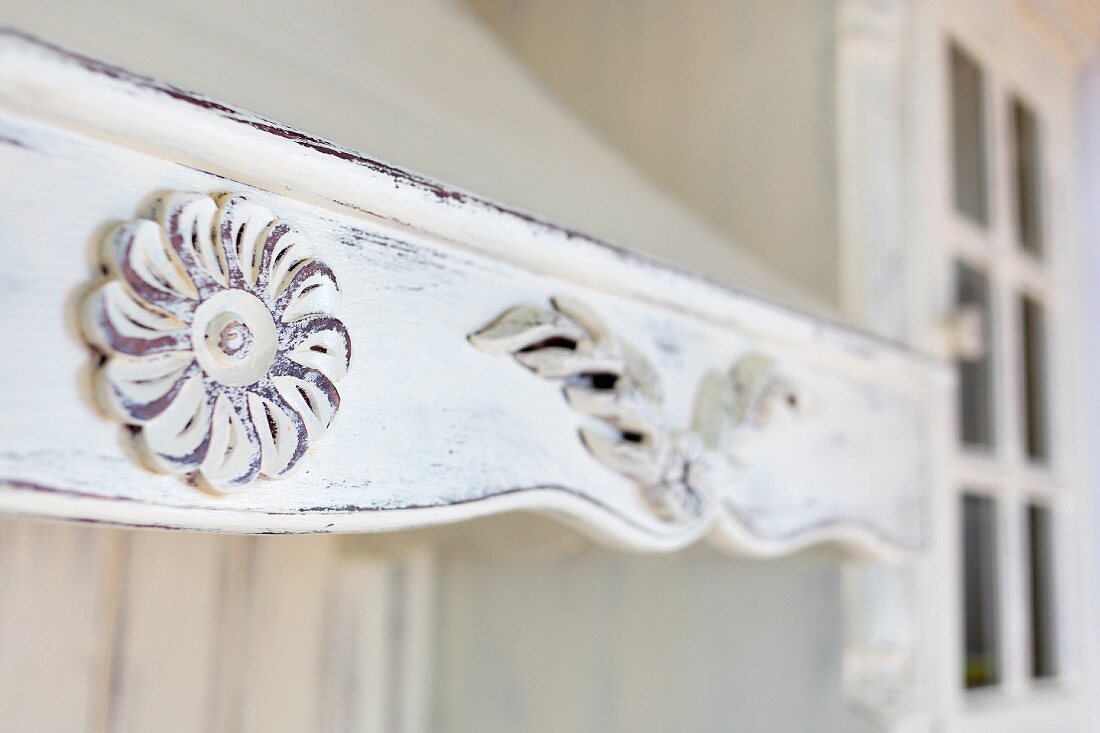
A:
x,y
611,382
605,378
751,395
221,348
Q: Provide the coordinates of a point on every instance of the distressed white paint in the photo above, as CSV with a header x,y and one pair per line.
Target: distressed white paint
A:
x,y
220,343
430,429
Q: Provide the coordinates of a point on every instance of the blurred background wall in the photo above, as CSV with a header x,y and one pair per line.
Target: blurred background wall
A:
x,y
730,107
507,624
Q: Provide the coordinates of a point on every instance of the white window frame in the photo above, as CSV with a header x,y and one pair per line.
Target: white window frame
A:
x,y
1017,60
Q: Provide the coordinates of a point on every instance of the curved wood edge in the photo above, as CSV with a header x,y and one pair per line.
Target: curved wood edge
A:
x,y
724,530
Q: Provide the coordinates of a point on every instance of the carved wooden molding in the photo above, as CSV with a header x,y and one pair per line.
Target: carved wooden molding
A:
x,y
690,409
220,344
679,471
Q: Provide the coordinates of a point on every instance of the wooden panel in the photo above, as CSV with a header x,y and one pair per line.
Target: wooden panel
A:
x,y
540,631
282,636
56,625
378,645
114,630
691,401
167,641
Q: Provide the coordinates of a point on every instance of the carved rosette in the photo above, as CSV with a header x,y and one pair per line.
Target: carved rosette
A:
x,y
220,341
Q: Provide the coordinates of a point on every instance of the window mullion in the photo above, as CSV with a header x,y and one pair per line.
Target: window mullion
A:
x,y
1009,393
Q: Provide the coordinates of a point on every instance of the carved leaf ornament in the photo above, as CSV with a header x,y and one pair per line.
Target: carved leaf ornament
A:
x,y
677,471
220,342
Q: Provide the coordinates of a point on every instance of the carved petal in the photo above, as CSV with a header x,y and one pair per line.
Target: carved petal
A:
x,y
136,253
187,219
642,375
627,410
560,363
320,342
525,326
641,461
588,319
138,390
715,410
759,395
309,392
283,249
309,288
115,322
178,439
281,430
234,457
240,226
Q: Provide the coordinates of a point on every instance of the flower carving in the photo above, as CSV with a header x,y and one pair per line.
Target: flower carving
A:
x,y
221,344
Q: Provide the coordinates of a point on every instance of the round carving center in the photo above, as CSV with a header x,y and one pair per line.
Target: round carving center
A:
x,y
235,340
234,337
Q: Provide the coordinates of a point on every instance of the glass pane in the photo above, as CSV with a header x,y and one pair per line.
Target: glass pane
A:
x,y
980,603
968,136
1041,587
1033,338
1025,138
975,375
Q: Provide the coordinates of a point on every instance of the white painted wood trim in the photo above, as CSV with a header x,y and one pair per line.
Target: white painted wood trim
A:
x,y
434,427
1017,57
